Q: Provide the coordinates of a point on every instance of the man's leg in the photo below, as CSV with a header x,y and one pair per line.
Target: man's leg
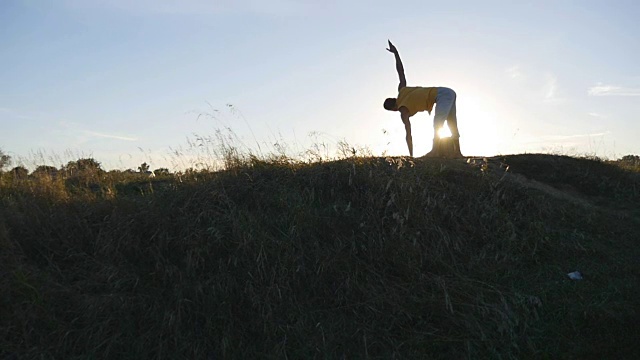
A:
x,y
452,122
444,103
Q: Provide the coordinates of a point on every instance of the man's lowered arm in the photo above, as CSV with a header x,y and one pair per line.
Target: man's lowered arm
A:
x,y
404,114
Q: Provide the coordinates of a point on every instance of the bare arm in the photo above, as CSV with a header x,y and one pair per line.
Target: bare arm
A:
x,y
404,115
399,67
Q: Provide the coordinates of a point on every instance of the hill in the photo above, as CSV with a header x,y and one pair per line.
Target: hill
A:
x,y
355,258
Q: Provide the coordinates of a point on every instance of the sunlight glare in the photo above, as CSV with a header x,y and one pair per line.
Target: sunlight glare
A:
x,y
444,131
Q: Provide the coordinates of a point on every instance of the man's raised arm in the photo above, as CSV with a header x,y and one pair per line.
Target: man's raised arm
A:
x,y
399,67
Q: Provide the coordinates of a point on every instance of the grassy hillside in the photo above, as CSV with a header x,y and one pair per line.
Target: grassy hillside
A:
x,y
357,258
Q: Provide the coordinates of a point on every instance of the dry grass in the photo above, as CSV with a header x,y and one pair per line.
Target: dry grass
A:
x,y
356,258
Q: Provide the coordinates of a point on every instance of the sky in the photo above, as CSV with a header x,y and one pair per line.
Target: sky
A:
x,y
167,81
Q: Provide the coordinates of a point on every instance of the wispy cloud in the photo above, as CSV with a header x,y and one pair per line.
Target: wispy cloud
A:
x,y
206,7
596,115
18,114
541,84
612,90
550,89
109,136
576,136
77,128
514,72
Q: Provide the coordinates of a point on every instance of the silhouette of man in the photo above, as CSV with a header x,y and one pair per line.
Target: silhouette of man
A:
x,y
412,100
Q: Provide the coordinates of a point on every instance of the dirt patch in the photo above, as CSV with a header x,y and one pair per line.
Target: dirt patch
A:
x,y
571,196
588,183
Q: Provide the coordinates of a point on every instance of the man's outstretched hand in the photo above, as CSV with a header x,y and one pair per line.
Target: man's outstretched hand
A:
x,y
392,49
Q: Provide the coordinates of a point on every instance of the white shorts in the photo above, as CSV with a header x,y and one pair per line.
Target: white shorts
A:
x,y
446,110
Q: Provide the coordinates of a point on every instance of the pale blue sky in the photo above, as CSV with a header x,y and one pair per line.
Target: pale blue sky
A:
x,y
124,81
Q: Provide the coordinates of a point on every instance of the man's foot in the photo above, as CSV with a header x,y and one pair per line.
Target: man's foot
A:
x,y
447,148
435,149
456,149
450,148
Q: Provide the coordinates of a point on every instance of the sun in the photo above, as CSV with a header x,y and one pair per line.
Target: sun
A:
x,y
444,132
479,127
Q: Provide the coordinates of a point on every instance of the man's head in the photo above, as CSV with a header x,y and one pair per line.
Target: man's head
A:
x,y
390,104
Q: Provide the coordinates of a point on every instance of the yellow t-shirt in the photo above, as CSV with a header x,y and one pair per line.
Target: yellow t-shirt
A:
x,y
417,99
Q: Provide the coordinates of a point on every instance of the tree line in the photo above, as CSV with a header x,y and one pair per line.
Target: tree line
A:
x,y
82,166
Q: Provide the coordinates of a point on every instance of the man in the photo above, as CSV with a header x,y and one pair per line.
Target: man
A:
x,y
412,100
